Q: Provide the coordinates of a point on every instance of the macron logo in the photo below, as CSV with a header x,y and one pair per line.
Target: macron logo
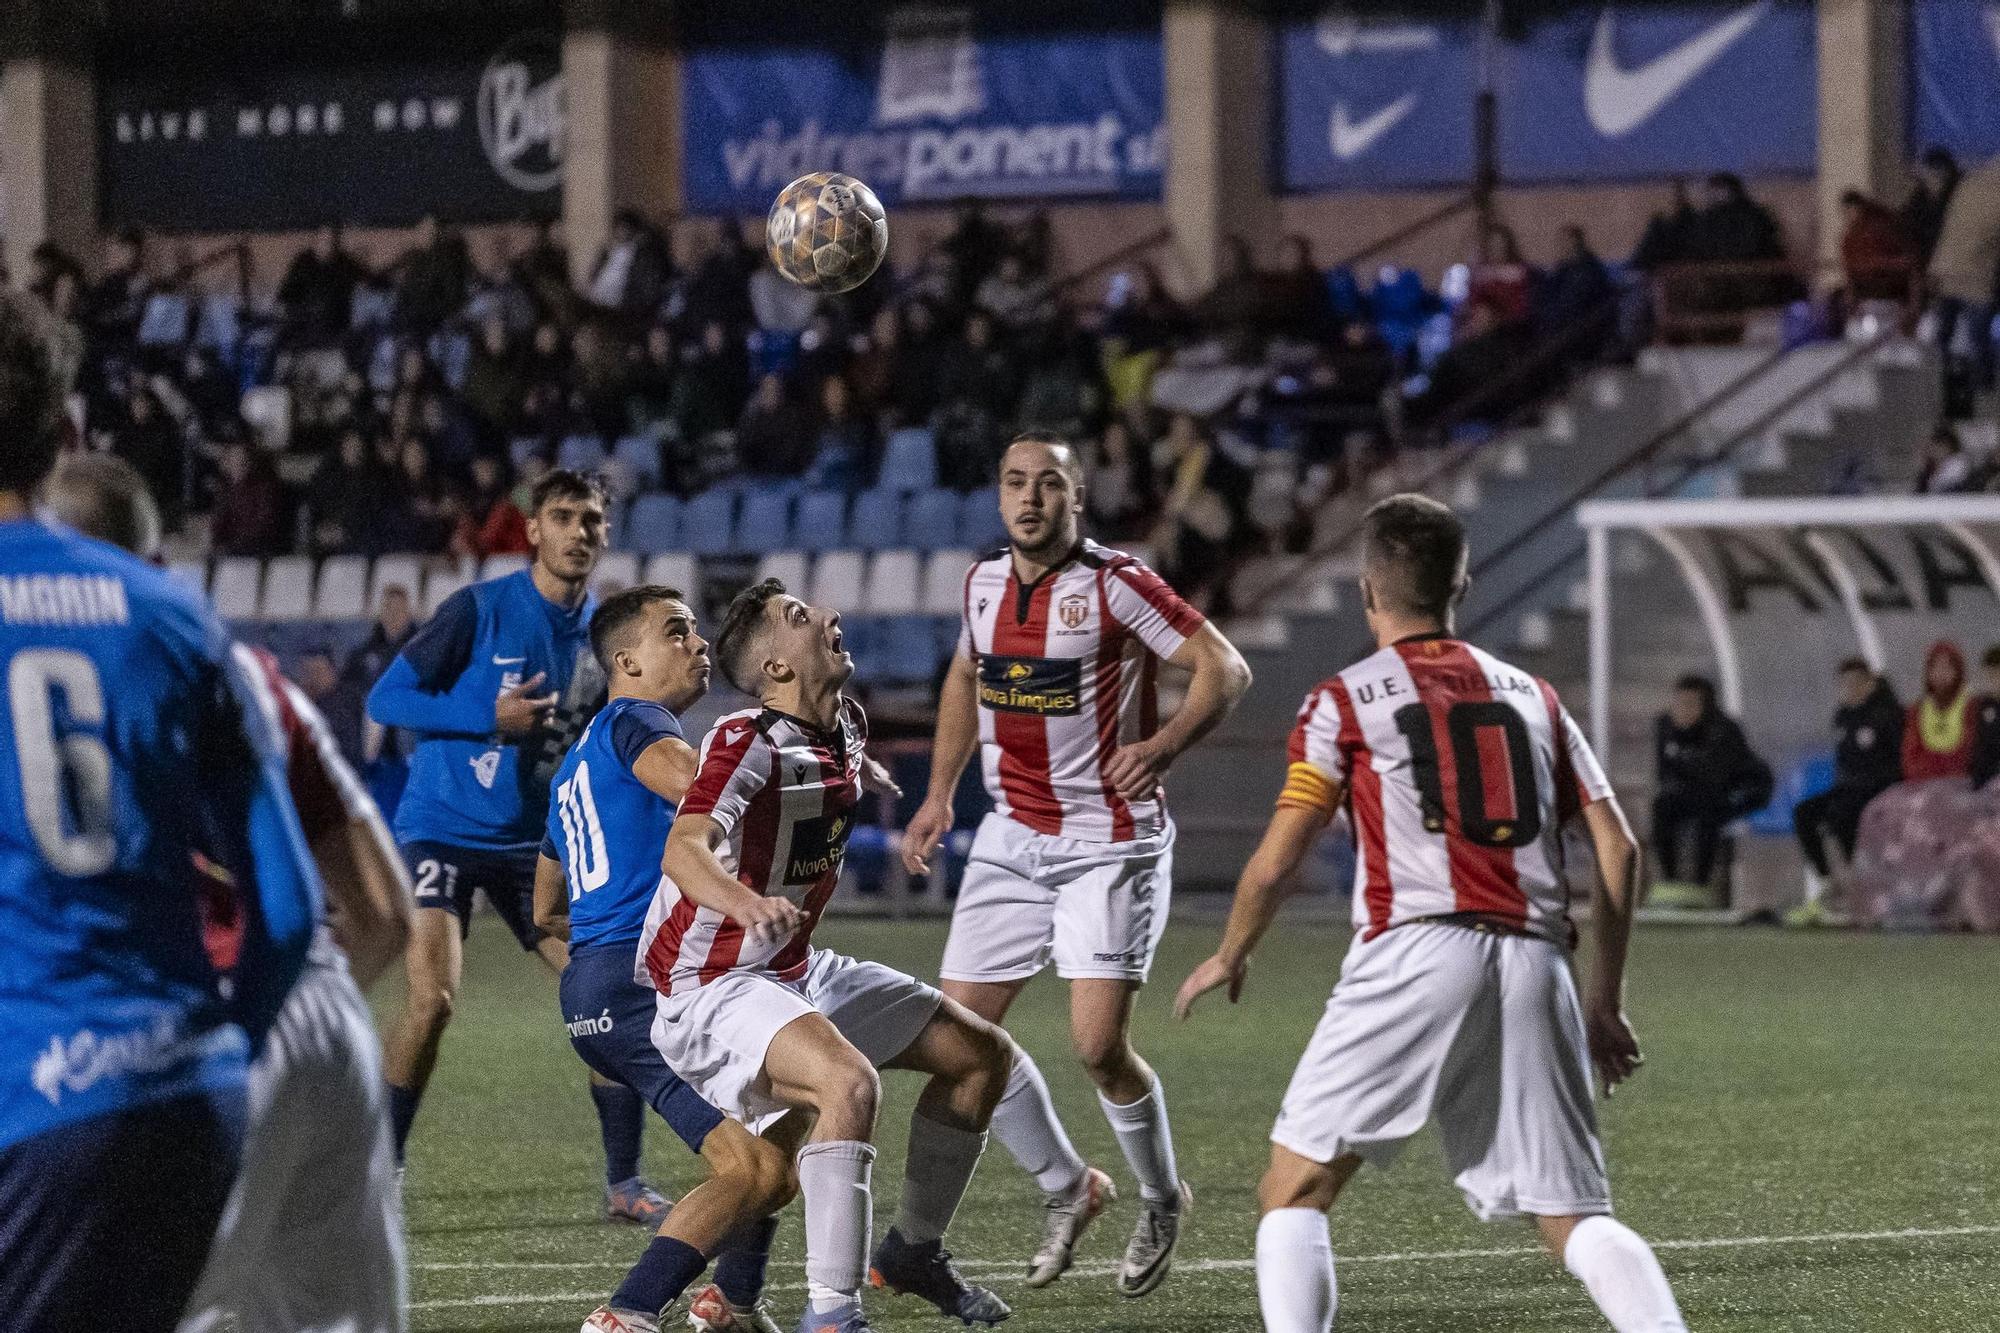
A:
x,y
1350,139
1620,100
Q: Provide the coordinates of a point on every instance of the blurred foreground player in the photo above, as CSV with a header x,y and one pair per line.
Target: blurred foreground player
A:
x,y
312,1238
1456,998
762,1024
132,753
1053,685
495,687
612,808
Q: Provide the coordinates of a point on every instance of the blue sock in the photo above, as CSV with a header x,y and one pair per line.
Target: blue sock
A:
x,y
402,1114
662,1273
621,1116
740,1269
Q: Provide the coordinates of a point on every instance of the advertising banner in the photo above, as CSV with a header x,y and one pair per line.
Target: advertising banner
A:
x,y
1955,77
930,109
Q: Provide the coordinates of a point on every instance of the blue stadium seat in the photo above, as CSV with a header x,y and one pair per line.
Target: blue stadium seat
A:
x,y
858,635
652,525
765,523
708,522
1808,777
1343,290
909,460
821,524
908,649
640,454
581,453
164,320
979,522
931,521
219,325
877,522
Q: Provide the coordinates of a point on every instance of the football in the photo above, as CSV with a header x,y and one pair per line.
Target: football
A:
x,y
827,231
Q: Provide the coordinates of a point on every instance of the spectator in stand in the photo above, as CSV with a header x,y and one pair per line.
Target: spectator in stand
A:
x,y
432,278
382,751
344,501
1472,380
1035,242
1947,468
249,514
630,276
978,385
1501,279
1297,305
719,292
844,456
1120,494
490,524
1937,176
774,437
117,301
48,265
1707,777
499,290
871,364
1878,259
1963,265
1576,301
974,247
1140,321
1669,235
1939,731
914,379
1867,761
418,515
1230,309
649,387
1062,387
1017,302
780,305
1985,764
1733,228
1199,516
495,386
711,390
317,293
152,444
542,271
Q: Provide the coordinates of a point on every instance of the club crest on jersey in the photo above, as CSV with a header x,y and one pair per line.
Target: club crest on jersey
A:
x,y
1043,686
1073,609
486,767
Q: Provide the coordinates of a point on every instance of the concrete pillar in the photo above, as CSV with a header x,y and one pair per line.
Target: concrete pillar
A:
x,y
1218,77
48,171
1864,107
622,142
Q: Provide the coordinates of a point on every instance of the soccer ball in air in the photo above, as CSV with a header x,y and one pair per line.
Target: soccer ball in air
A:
x,y
827,232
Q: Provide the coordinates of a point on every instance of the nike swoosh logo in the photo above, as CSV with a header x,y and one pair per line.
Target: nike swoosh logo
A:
x,y
1619,100
508,661
1351,139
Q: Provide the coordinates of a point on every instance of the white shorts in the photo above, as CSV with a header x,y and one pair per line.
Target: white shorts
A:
x,y
312,1237
715,1037
1097,908
1482,1030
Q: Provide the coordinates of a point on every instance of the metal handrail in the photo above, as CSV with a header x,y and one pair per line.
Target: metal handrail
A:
x,y
1151,240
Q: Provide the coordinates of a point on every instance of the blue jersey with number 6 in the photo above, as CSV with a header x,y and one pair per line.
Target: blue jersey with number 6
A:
x,y
608,828
138,780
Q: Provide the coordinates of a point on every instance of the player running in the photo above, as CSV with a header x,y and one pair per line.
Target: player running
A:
x,y
131,754
613,804
496,686
761,1023
311,1238
1054,685
1456,998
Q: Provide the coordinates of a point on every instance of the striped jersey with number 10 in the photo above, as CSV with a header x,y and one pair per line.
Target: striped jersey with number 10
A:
x,y
783,793
1066,669
1460,773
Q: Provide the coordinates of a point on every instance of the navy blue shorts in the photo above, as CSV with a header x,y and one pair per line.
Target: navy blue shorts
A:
x,y
610,1022
448,876
108,1221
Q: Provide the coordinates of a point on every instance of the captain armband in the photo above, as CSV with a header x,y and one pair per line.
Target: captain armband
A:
x,y
1309,789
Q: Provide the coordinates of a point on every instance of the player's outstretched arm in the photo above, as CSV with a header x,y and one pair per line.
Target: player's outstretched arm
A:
x,y
957,738
691,863
1613,1048
666,768
551,898
1219,677
1260,890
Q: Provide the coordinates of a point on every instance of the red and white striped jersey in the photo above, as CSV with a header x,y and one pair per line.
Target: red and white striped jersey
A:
x,y
1066,675
1460,773
783,794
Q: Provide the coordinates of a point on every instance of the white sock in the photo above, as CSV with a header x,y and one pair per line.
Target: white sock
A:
x,y
1619,1271
1295,1283
934,1177
1025,1124
839,1219
1148,1142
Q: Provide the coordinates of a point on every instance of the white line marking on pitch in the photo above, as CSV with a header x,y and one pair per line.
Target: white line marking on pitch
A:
x,y
994,1268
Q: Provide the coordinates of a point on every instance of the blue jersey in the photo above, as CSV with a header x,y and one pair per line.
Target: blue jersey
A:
x,y
608,828
137,778
469,786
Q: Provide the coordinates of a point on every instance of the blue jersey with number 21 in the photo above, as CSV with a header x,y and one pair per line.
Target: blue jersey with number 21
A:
x,y
606,827
137,777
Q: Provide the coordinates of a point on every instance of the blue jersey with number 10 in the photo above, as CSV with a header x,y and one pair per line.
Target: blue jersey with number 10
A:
x,y
136,775
606,827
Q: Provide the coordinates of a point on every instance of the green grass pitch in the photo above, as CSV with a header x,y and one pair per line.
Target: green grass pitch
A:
x,y
1814,1143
